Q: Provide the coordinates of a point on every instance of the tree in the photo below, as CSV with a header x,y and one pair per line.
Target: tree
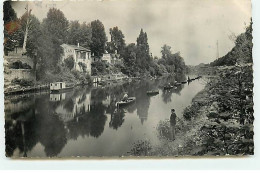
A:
x,y
9,13
117,40
166,51
74,33
129,59
69,62
79,33
85,35
143,58
33,40
98,38
55,27
11,25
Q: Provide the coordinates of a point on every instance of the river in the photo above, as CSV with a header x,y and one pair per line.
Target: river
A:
x,y
86,122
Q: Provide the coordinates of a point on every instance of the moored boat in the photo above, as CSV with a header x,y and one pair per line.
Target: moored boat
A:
x,y
168,87
152,92
59,87
177,84
126,102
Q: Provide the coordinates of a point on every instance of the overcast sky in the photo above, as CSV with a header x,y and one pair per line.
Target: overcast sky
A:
x,y
189,26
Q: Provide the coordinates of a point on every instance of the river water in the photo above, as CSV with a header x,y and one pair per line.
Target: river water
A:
x,y
86,122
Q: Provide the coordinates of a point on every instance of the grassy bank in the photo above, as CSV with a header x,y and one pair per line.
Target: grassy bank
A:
x,y
219,120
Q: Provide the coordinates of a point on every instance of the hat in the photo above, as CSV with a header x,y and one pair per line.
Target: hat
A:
x,y
173,110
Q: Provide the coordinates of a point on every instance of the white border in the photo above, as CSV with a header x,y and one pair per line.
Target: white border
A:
x,y
252,162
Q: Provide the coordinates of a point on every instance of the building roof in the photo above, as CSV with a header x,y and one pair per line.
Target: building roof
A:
x,y
77,47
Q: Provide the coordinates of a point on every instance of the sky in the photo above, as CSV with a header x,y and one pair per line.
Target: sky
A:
x,y
191,27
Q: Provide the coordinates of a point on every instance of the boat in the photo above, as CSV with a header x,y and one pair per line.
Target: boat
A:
x,y
152,92
184,82
168,87
127,102
177,84
59,87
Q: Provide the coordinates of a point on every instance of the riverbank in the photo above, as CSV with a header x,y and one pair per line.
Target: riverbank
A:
x,y
219,120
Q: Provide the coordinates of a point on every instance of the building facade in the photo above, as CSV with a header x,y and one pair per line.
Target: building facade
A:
x,y
81,57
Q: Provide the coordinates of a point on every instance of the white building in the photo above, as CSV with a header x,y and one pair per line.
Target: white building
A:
x,y
106,58
81,56
111,58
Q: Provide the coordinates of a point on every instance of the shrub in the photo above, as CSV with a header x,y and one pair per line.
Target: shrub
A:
x,y
20,65
23,82
69,62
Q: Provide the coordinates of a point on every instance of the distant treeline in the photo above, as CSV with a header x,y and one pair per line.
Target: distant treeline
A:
x,y
242,51
46,36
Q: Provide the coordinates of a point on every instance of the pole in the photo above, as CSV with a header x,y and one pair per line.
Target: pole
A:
x,y
26,30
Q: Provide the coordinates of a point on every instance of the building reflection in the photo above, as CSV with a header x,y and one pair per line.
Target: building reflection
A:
x,y
54,119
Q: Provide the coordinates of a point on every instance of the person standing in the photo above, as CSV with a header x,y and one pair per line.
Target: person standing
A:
x,y
172,124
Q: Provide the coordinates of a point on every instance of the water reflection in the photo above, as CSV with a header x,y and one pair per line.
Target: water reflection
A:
x,y
55,119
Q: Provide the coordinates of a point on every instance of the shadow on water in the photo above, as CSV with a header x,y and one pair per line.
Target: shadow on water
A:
x,y
54,119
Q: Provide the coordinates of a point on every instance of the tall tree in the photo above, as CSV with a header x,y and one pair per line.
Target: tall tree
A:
x,y
166,51
85,35
143,58
129,59
74,32
33,41
117,40
55,26
9,13
11,25
98,38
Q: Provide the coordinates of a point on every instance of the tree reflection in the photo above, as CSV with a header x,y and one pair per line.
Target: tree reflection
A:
x,y
89,123
117,119
49,128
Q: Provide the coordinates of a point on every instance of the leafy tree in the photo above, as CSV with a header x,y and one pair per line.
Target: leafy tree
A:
x,y
129,59
143,58
117,40
74,32
85,35
9,13
69,62
166,51
79,33
33,40
241,52
98,38
55,26
11,25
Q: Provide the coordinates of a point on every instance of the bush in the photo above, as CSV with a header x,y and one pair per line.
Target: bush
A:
x,y
20,65
23,82
69,62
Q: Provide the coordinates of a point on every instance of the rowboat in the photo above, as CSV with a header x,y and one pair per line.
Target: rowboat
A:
x,y
177,84
168,87
126,102
152,92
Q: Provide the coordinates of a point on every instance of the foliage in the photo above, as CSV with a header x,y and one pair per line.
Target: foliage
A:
x,y
173,63
11,25
20,65
117,43
98,38
82,66
241,53
9,13
69,62
143,58
22,82
79,33
55,27
98,68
